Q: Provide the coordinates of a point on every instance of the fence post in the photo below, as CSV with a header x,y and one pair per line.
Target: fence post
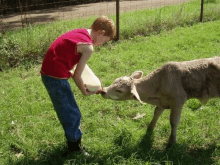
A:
x,y
201,13
117,20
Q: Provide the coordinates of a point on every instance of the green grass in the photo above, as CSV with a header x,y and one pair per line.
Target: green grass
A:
x,y
28,46
110,133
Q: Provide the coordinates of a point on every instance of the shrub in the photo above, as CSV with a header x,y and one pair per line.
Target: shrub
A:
x,y
10,54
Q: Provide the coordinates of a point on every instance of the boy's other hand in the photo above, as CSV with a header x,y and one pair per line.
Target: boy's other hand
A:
x,y
88,91
99,91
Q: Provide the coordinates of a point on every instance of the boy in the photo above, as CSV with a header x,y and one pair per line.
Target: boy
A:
x,y
71,48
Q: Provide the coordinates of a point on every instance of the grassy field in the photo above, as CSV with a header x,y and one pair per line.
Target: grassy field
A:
x,y
30,132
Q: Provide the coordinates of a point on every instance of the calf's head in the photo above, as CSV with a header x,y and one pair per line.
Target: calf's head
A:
x,y
123,88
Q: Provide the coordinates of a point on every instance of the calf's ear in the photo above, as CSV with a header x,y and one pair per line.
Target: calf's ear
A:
x,y
135,93
137,74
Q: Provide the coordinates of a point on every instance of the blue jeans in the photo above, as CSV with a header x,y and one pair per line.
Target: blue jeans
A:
x,y
65,106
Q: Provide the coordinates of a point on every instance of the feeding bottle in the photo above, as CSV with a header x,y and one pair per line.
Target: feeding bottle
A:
x,y
92,82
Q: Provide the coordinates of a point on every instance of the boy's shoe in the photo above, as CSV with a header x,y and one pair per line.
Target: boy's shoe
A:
x,y
75,147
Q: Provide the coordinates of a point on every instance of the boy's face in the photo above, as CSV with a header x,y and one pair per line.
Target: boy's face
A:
x,y
100,38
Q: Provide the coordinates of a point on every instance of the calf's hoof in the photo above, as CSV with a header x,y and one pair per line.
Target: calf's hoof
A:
x,y
149,130
171,141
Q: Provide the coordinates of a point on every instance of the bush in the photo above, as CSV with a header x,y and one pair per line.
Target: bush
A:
x,y
10,54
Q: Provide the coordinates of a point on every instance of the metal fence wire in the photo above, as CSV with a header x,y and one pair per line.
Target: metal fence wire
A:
x,y
18,13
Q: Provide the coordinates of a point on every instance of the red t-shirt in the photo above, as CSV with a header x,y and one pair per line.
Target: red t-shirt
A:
x,y
62,54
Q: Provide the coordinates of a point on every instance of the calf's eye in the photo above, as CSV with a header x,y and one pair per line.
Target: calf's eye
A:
x,y
118,91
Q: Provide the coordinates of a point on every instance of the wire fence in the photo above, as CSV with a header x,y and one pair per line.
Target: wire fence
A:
x,y
21,14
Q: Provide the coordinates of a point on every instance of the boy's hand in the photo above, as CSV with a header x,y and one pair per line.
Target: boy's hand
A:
x,y
92,93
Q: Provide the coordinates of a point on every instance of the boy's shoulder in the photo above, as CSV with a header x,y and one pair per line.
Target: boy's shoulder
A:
x,y
77,36
77,31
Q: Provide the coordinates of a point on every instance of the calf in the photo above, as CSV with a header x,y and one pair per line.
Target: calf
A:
x,y
168,87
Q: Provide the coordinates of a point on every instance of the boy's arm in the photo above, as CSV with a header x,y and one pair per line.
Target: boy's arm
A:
x,y
86,51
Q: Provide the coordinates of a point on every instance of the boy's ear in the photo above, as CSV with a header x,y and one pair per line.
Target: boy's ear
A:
x,y
102,32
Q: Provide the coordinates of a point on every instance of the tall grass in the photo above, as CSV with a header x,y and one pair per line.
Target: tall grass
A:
x,y
32,41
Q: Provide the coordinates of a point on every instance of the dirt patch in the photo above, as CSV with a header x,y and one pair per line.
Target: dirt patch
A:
x,y
17,20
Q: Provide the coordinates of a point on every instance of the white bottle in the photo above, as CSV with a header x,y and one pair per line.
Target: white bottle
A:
x,y
92,82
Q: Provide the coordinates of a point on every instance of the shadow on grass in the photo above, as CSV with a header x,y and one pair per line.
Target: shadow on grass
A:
x,y
177,154
143,151
46,157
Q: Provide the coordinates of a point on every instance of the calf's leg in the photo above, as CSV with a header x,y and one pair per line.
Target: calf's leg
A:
x,y
174,121
157,113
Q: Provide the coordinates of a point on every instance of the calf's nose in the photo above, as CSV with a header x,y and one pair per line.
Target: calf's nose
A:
x,y
103,93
